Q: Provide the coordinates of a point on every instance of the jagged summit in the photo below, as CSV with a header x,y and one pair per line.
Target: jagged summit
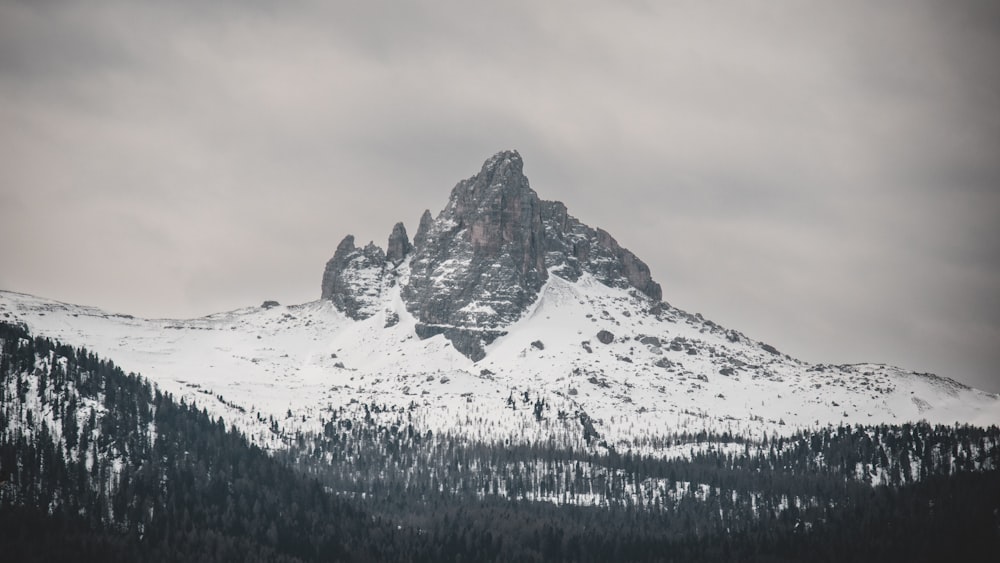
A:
x,y
426,220
353,278
481,262
531,302
477,267
505,164
399,245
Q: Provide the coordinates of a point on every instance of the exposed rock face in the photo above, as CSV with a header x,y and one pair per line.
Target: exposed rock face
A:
x,y
399,245
480,264
425,225
354,277
573,248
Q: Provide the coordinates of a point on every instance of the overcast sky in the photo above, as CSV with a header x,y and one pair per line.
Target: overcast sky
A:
x,y
822,177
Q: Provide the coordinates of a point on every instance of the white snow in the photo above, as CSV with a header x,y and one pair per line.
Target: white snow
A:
x,y
253,364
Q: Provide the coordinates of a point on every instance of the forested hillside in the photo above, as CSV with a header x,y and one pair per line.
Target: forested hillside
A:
x,y
130,474
96,464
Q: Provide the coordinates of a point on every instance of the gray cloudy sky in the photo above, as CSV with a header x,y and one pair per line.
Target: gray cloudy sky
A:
x,y
824,176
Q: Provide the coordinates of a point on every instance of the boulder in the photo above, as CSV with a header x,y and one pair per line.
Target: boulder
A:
x,y
605,337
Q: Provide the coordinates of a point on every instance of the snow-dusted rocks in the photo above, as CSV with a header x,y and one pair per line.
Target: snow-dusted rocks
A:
x,y
308,359
573,248
481,263
353,278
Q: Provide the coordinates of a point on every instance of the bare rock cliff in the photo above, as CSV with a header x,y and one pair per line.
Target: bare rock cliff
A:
x,y
479,265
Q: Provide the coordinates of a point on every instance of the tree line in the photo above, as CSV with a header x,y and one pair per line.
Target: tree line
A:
x,y
98,464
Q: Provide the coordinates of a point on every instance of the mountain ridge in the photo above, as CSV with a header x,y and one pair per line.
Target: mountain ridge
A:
x,y
680,373
502,295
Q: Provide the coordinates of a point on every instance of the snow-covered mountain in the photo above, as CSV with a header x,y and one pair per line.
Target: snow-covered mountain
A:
x,y
505,319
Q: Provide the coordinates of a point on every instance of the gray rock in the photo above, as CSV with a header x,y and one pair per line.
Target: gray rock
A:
x,y
605,337
353,279
664,363
573,248
399,245
482,261
479,265
650,341
425,225
467,341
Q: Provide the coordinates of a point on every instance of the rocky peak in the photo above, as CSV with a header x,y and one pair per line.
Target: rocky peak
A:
x,y
345,248
399,245
426,220
481,262
503,173
477,267
353,278
499,213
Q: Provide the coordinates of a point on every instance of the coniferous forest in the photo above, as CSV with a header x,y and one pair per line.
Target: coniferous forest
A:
x,y
96,464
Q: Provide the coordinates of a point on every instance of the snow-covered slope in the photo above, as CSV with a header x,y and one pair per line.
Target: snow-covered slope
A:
x,y
664,371
507,319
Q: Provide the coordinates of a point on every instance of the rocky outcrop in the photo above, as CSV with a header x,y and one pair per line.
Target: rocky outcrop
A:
x,y
353,279
651,341
573,248
399,245
479,265
425,225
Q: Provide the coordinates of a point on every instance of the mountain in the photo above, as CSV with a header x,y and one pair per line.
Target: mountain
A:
x,y
507,386
96,464
505,320
482,262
